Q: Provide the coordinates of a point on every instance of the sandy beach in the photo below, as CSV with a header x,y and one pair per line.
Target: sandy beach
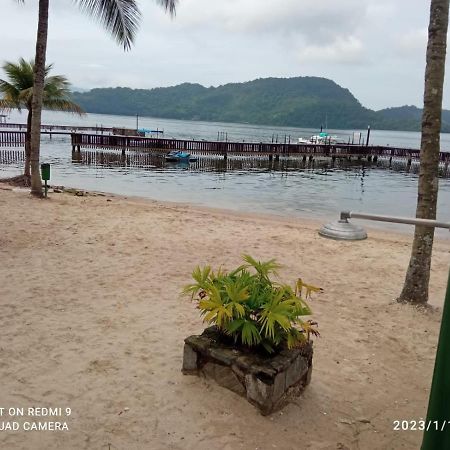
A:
x,y
92,320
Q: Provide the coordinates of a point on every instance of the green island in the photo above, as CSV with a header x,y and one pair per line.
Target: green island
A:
x,y
307,102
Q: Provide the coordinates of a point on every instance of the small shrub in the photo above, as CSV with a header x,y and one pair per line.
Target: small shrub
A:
x,y
251,308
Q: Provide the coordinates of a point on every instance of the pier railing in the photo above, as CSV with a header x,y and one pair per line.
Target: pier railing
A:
x,y
68,128
12,138
201,147
220,148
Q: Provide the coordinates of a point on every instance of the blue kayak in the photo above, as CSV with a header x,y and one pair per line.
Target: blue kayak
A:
x,y
178,155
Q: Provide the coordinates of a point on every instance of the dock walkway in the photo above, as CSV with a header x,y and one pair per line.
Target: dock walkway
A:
x,y
223,148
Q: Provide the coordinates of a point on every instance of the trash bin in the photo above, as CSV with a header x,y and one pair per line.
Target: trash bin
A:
x,y
45,171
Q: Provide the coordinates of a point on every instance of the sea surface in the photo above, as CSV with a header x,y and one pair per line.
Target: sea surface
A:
x,y
288,188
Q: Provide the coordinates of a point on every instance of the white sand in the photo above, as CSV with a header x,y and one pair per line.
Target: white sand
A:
x,y
92,319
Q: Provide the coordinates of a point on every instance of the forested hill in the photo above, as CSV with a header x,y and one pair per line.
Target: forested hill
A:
x,y
301,102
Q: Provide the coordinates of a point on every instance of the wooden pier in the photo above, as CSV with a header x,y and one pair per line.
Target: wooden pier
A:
x,y
249,149
225,149
52,128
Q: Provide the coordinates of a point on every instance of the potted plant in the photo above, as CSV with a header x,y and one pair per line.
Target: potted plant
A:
x,y
258,344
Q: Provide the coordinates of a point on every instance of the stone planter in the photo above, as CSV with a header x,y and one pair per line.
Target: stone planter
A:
x,y
266,381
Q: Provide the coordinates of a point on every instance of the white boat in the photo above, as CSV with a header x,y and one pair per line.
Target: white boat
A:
x,y
321,138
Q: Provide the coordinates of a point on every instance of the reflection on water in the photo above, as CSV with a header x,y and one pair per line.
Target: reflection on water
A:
x,y
287,187
147,161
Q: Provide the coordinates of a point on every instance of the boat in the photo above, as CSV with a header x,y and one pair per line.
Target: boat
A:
x,y
321,138
179,156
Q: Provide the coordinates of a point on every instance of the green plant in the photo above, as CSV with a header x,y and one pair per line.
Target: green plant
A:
x,y
251,308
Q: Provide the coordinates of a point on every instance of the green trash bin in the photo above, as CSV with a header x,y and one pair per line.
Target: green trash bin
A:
x,y
45,171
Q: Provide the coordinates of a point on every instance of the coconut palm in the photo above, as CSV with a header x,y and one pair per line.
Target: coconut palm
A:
x,y
18,93
119,17
415,289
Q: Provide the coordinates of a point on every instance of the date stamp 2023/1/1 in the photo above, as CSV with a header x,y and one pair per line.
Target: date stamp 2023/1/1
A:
x,y
420,425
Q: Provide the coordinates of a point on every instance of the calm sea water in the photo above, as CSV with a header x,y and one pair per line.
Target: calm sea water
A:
x,y
288,188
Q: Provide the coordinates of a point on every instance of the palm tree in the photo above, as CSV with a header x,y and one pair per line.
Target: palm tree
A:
x,y
18,93
415,289
120,17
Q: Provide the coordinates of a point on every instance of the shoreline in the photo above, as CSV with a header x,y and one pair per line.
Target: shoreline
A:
x,y
93,320
371,227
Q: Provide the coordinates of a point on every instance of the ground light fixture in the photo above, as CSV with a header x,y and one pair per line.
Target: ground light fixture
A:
x,y
342,229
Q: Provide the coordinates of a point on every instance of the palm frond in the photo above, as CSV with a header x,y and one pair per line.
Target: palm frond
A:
x,y
5,105
11,95
19,74
18,90
169,5
63,105
119,17
264,269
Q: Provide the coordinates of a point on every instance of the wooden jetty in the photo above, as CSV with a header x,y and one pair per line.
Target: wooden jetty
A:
x,y
17,138
249,149
225,149
52,128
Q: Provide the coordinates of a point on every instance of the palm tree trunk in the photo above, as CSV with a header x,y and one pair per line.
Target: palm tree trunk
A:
x,y
415,289
27,169
38,90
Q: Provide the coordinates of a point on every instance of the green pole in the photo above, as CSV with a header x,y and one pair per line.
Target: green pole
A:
x,y
436,435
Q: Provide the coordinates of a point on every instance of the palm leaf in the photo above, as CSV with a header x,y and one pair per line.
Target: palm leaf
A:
x,y
309,289
18,91
250,335
120,17
264,269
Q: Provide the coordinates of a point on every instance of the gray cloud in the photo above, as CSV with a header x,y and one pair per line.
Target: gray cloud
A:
x,y
376,48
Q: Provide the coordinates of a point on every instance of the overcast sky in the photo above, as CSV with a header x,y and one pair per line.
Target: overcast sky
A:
x,y
375,48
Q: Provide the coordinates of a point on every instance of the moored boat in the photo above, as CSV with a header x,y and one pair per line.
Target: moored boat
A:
x,y
179,156
321,138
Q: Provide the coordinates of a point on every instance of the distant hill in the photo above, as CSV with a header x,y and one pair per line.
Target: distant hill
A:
x,y
301,102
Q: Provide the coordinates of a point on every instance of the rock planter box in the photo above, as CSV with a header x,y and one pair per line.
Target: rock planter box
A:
x,y
266,381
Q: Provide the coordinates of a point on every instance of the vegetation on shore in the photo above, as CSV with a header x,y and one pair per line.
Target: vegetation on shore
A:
x,y
248,306
301,102
17,92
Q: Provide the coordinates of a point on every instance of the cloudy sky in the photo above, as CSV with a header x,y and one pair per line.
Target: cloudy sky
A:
x,y
375,48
